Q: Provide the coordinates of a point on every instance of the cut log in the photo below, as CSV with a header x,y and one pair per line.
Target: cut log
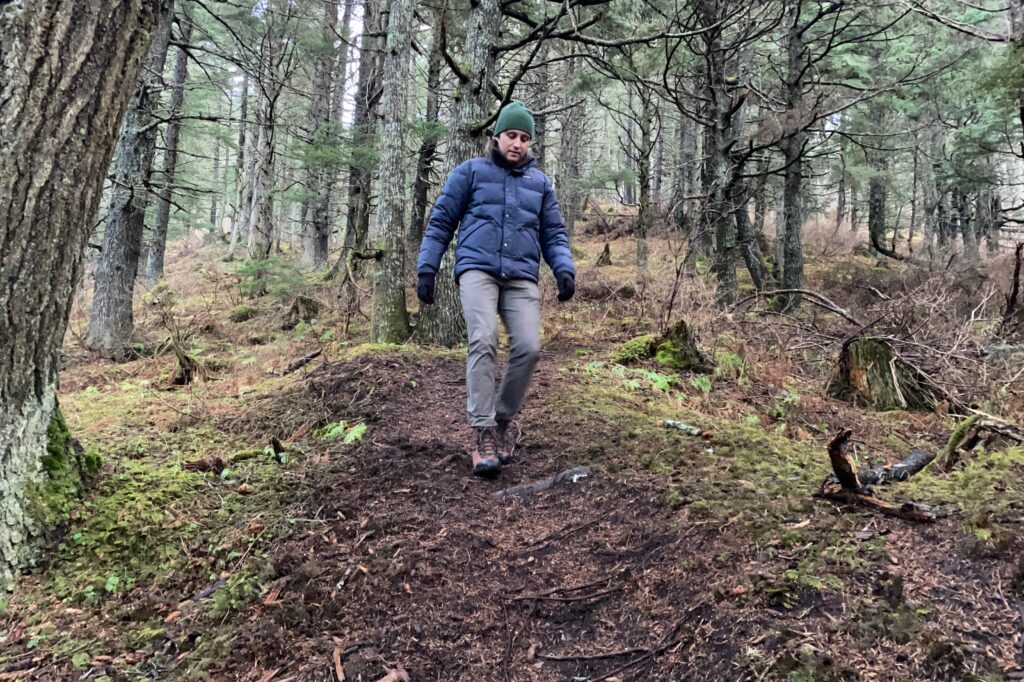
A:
x,y
527,489
872,374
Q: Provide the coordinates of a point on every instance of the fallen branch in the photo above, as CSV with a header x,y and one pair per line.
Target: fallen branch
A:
x,y
979,429
911,464
909,511
582,597
847,484
814,297
303,361
527,489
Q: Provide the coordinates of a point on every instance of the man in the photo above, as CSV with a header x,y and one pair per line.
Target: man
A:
x,y
507,216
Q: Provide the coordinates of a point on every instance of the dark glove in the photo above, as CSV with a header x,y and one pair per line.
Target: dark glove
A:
x,y
566,287
425,287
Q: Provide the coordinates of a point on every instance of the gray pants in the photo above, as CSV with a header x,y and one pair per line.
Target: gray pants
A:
x,y
484,297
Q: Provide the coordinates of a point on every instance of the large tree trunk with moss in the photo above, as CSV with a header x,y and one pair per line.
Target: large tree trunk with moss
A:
x,y
389,321
157,247
57,144
442,323
111,322
871,373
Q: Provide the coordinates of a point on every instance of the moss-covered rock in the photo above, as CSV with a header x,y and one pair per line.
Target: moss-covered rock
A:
x,y
635,350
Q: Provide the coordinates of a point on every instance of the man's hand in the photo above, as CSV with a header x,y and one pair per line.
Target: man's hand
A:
x,y
425,288
566,287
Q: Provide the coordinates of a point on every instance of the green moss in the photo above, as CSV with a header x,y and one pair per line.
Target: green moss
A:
x,y
949,454
635,350
988,489
67,470
243,313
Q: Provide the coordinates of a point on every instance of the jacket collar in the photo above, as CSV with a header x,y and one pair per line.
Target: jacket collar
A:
x,y
499,160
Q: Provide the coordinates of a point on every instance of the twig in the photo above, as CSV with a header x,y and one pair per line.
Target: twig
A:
x,y
582,597
592,657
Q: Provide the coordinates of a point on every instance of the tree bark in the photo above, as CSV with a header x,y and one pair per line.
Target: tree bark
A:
x,y
428,148
793,152
215,195
66,71
442,323
111,322
645,212
360,172
390,320
155,259
240,182
569,154
316,227
275,60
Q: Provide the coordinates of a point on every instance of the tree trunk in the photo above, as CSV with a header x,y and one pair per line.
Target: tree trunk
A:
x,y
261,207
645,217
854,211
793,152
966,227
390,320
111,323
316,205
841,200
215,195
57,142
569,156
360,173
538,103
442,323
428,148
240,180
155,261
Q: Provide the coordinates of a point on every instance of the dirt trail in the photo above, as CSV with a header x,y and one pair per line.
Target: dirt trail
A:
x,y
412,560
408,560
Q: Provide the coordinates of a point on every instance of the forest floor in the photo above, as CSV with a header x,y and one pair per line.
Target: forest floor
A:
x,y
365,546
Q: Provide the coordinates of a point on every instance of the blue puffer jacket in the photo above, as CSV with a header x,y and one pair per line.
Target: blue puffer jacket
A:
x,y
509,218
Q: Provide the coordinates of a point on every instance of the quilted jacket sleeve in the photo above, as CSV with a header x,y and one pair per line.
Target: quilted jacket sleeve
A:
x,y
554,240
444,218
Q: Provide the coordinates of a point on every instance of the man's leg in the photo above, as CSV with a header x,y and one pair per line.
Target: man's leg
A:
x,y
480,292
520,309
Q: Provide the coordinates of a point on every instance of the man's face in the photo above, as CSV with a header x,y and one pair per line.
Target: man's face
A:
x,y
513,145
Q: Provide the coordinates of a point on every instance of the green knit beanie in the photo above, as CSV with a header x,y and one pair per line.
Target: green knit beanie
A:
x,y
514,116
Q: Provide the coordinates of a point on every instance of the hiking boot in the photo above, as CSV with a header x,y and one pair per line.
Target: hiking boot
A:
x,y
485,454
508,436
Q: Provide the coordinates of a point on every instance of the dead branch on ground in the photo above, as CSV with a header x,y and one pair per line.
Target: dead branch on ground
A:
x,y
846,485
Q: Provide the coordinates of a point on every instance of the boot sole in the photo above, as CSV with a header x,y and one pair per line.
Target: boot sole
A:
x,y
487,469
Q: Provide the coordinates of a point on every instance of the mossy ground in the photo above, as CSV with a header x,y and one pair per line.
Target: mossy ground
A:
x,y
193,574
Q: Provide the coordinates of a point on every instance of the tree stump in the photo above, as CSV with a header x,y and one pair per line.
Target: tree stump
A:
x,y
606,256
303,309
678,350
872,374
